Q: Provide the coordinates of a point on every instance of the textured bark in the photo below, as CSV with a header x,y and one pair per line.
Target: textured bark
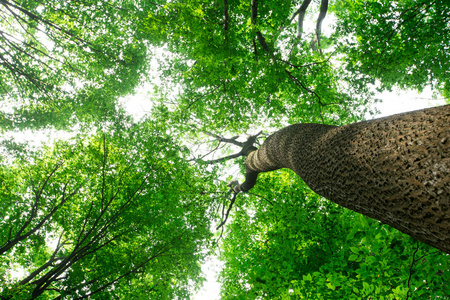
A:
x,y
394,169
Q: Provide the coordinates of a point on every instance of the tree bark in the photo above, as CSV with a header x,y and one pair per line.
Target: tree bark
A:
x,y
394,169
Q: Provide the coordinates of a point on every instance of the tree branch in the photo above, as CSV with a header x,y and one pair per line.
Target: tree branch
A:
x,y
19,236
259,36
301,16
225,140
233,199
413,262
299,83
322,14
232,156
225,16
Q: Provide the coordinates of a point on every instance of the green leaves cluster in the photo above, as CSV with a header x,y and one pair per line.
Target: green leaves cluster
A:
x,y
124,212
400,43
236,70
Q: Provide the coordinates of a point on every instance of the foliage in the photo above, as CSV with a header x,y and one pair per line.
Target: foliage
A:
x,y
403,43
66,63
122,215
236,70
122,211
299,246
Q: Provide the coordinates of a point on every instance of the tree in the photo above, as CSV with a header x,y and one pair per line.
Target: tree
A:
x,y
103,216
393,169
76,226
68,63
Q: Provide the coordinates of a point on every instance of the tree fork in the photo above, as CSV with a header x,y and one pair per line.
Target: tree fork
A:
x,y
394,169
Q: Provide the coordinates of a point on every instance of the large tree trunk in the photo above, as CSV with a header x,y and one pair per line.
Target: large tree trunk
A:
x,y
394,169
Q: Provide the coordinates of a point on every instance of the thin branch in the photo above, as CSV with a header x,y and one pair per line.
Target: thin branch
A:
x,y
36,17
228,211
105,157
299,83
159,253
225,16
19,236
259,36
202,156
201,97
49,263
394,30
262,197
225,140
255,49
410,269
232,156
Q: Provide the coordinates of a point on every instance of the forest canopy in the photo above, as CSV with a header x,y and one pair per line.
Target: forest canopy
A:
x,y
124,207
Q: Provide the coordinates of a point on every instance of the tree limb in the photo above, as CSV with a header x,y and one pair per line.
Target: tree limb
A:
x,y
225,16
259,36
214,161
233,199
222,139
322,14
301,16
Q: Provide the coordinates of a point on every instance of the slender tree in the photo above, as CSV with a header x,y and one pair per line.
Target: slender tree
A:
x,y
394,169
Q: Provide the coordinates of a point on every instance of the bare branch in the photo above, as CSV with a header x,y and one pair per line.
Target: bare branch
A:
x,y
233,199
225,140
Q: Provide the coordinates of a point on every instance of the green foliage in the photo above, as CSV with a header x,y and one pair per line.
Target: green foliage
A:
x,y
305,247
120,216
67,63
230,79
403,43
124,213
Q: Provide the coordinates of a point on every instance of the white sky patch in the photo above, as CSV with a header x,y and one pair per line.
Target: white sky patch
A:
x,y
211,288
402,101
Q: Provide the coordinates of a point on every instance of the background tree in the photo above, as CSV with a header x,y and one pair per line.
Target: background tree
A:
x,y
66,63
104,215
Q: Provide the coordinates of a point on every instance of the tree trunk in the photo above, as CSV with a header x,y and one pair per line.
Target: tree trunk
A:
x,y
394,169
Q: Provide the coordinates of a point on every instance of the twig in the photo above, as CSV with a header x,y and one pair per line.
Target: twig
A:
x,y
262,197
228,211
410,269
